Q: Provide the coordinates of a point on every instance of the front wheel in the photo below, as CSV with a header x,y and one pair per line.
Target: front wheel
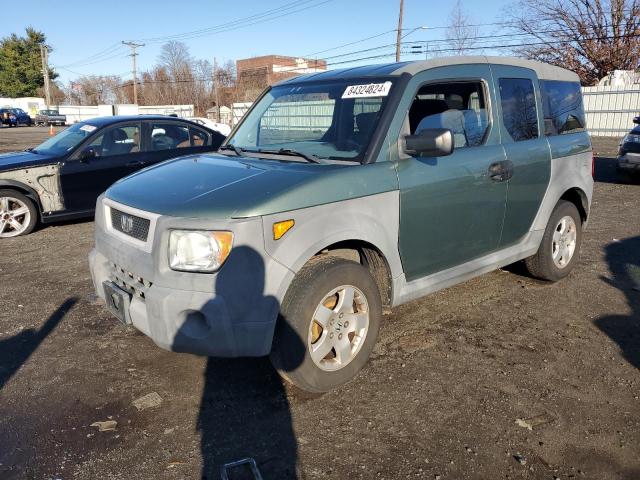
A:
x,y
328,326
558,251
18,214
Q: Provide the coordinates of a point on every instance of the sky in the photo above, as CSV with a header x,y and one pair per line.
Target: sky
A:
x,y
86,35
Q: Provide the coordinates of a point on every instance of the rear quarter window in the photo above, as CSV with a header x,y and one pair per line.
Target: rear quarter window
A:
x,y
562,107
519,114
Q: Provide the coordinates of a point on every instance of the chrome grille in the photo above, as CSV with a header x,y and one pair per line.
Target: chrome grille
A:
x,y
131,225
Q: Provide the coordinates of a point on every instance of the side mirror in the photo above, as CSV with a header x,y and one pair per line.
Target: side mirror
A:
x,y
87,154
636,120
430,142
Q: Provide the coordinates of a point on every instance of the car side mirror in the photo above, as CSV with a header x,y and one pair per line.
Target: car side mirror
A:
x,y
636,120
430,142
87,154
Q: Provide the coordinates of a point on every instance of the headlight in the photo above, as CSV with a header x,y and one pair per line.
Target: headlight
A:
x,y
198,251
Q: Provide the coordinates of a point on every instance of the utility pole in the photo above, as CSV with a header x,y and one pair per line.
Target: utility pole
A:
x,y
44,54
133,55
399,36
215,85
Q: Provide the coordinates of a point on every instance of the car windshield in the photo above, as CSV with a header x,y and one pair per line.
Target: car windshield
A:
x,y
66,140
328,120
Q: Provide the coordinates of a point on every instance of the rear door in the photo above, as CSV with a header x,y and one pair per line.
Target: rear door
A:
x,y
174,139
525,146
119,151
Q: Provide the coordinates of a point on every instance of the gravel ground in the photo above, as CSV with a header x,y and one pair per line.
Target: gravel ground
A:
x,y
454,381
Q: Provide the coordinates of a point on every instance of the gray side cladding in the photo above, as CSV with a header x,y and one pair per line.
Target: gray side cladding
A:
x,y
45,181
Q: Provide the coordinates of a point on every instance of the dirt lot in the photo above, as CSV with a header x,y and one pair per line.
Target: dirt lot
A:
x,y
450,376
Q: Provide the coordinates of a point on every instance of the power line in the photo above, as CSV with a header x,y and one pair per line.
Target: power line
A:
x,y
266,16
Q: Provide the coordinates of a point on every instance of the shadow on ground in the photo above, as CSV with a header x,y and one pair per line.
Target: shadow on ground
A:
x,y
606,172
623,258
244,411
16,350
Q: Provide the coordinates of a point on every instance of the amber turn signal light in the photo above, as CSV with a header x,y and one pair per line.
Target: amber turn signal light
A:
x,y
280,228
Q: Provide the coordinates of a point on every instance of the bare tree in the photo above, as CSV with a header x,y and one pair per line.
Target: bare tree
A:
x,y
461,33
590,37
95,90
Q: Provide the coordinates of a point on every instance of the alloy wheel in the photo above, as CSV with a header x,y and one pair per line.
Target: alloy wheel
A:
x,y
338,328
14,217
563,245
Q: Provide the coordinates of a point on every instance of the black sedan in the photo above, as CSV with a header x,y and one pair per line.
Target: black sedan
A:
x,y
62,177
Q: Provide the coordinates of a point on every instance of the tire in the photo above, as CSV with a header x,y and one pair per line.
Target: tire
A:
x,y
555,257
12,201
319,290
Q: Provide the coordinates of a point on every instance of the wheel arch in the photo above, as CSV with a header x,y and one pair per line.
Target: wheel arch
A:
x,y
579,198
24,189
368,255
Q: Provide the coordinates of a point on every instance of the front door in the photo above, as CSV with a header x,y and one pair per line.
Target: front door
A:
x,y
452,207
118,152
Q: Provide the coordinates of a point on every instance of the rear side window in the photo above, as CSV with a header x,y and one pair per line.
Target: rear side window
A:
x,y
519,115
562,107
167,136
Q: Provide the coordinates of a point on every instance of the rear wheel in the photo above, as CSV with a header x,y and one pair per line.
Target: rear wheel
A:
x,y
560,246
329,324
18,214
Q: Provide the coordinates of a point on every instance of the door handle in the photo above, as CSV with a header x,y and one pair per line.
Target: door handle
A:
x,y
135,163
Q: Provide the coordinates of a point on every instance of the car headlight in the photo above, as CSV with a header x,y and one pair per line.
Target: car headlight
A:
x,y
198,251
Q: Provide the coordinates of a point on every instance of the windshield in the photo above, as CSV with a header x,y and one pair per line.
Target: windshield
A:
x,y
330,120
66,140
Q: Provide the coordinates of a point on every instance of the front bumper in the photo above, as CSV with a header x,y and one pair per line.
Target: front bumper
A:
x,y
230,313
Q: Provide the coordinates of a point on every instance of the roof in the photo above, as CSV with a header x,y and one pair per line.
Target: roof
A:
x,y
544,71
101,121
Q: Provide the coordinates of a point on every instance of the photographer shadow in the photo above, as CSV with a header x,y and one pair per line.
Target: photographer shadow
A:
x,y
16,350
623,258
244,410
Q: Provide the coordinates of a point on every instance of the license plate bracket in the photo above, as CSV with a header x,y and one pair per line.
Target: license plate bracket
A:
x,y
118,301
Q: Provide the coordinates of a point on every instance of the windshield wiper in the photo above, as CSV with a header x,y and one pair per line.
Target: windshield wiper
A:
x,y
237,150
288,151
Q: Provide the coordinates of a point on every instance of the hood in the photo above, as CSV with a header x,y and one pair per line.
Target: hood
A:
x,y
217,186
15,160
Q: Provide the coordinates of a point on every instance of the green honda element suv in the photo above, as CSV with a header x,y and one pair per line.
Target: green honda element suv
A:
x,y
344,193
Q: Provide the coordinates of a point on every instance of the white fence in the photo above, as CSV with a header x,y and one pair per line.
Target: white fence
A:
x,y
610,110
80,113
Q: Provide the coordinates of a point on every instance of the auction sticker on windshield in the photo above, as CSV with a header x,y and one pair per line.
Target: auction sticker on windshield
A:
x,y
368,90
88,128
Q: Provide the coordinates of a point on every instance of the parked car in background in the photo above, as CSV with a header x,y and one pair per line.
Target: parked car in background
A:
x,y
50,117
14,117
628,161
344,192
223,128
7,117
62,177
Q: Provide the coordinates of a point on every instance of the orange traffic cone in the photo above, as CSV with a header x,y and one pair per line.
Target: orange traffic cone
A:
x,y
52,132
